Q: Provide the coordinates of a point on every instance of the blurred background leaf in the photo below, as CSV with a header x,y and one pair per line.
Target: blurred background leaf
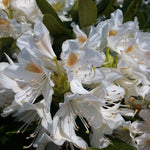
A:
x,y
87,12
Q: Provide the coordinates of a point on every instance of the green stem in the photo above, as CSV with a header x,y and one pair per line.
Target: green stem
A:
x,y
10,13
58,67
107,51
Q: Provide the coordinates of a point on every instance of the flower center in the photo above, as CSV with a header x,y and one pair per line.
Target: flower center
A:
x,y
61,84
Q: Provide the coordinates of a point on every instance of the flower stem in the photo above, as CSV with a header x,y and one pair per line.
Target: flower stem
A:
x,y
58,67
10,13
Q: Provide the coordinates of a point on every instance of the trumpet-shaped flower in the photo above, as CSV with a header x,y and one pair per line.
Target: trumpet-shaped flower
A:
x,y
35,76
85,106
81,64
121,36
40,46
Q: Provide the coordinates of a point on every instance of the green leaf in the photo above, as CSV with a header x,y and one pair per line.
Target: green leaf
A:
x,y
130,8
46,8
105,7
5,46
74,11
53,25
5,43
87,12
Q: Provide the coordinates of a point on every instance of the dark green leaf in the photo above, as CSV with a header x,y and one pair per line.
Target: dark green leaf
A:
x,y
74,11
5,46
53,25
105,7
87,12
5,43
130,8
46,8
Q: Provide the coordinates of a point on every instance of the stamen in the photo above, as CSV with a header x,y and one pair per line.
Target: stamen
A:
x,y
33,90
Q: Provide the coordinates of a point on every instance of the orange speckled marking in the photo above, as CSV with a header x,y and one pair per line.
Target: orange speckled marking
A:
x,y
82,39
32,67
112,33
72,59
3,21
130,49
6,2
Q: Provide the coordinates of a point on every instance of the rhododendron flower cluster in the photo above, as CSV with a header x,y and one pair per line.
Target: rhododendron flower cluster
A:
x,y
98,86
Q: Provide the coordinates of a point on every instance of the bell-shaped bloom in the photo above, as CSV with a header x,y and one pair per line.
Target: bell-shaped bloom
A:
x,y
36,78
80,64
40,46
86,107
121,36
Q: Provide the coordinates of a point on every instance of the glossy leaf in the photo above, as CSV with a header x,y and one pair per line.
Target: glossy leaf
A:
x,y
46,8
54,26
87,12
74,11
105,7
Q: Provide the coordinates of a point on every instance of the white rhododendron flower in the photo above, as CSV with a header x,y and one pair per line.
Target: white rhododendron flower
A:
x,y
35,76
77,85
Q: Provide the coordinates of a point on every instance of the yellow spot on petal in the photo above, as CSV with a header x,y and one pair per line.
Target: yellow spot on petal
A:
x,y
6,2
3,21
130,49
112,33
82,38
72,59
32,67
21,101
